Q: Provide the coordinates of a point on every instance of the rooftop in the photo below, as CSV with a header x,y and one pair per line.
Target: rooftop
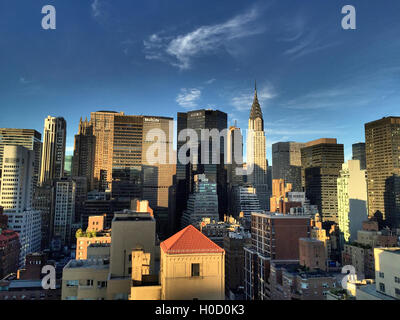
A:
x,y
189,240
371,290
89,264
274,215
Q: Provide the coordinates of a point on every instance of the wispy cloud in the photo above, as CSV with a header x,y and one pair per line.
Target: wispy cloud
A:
x,y
182,49
96,8
243,101
309,44
188,98
304,37
210,81
24,81
329,98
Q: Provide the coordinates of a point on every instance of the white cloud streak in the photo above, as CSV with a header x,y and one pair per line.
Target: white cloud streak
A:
x,y
188,98
182,49
96,8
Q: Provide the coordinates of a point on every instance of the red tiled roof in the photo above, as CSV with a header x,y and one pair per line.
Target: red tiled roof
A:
x,y
189,240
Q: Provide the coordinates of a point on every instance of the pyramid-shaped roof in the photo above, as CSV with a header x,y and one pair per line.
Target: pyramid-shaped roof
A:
x,y
255,108
189,240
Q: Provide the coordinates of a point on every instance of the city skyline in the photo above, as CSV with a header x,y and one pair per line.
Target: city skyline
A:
x,y
190,150
118,61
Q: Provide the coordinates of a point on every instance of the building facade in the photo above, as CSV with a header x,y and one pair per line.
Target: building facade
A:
x,y
194,123
16,198
256,161
28,138
359,154
53,150
134,158
273,237
191,267
352,199
202,203
286,163
84,153
322,161
9,252
382,146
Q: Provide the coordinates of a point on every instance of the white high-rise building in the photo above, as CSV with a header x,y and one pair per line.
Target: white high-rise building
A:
x,y
256,154
53,151
16,198
352,199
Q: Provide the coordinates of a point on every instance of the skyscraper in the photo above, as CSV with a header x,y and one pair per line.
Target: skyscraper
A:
x,y
382,141
286,163
322,161
16,198
359,154
132,160
84,152
43,201
234,156
53,151
352,199
64,209
256,153
197,121
202,203
28,138
246,201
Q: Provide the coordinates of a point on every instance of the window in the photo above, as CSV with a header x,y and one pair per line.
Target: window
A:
x,y
304,285
381,287
72,283
381,275
89,283
195,269
102,284
397,279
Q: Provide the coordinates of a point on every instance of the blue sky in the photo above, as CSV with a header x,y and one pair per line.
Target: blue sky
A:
x,y
161,57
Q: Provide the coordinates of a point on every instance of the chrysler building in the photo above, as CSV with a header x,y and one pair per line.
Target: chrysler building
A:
x,y
256,153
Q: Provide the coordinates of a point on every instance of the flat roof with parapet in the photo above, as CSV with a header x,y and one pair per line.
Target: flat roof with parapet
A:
x,y
371,290
89,264
273,215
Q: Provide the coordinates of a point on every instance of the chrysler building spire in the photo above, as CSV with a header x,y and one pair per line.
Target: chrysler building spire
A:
x,y
256,121
256,152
